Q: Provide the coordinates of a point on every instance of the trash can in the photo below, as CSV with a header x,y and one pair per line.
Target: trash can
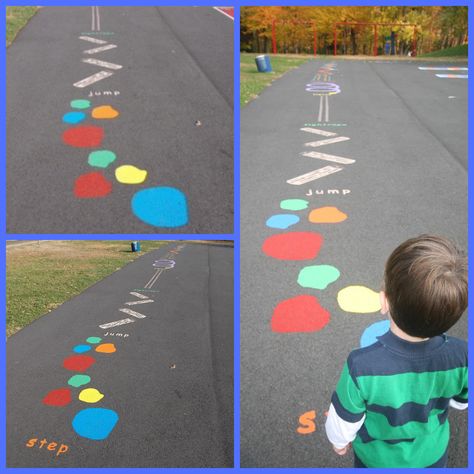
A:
x,y
263,62
136,246
268,63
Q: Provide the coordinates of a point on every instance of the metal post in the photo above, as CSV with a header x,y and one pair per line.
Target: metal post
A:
x,y
315,40
375,41
274,41
414,41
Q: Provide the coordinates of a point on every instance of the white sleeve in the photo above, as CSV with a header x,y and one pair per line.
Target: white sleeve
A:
x,y
458,405
339,432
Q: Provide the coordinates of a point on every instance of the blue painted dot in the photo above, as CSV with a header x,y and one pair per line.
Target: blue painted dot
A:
x,y
282,221
81,348
74,117
95,423
369,336
161,206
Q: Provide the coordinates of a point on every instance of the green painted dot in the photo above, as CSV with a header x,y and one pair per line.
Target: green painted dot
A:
x,y
93,340
318,276
80,104
294,204
101,158
79,380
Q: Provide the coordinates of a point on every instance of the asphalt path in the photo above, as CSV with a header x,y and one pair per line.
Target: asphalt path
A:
x,y
408,137
175,96
170,380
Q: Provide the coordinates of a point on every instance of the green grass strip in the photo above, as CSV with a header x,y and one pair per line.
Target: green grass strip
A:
x,y
17,18
252,82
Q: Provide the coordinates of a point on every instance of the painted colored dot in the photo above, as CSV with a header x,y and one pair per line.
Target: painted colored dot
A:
x,y
92,185
79,363
93,340
83,136
294,204
358,299
299,314
370,335
282,221
318,276
81,348
326,215
74,117
79,380
161,207
101,158
80,104
58,398
95,423
106,348
105,112
293,245
129,174
90,395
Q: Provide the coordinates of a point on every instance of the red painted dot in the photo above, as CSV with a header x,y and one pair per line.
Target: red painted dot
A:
x,y
78,363
83,136
92,185
58,398
299,314
293,245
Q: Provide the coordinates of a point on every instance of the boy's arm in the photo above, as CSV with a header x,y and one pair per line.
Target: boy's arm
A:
x,y
460,401
347,411
339,431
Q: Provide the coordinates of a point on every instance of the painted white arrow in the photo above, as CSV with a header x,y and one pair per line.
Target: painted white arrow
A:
x,y
139,295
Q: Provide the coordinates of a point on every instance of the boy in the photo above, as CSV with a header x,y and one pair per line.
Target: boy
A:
x,y
392,398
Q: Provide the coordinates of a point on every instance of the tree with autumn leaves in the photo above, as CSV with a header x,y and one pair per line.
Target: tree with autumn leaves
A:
x,y
297,28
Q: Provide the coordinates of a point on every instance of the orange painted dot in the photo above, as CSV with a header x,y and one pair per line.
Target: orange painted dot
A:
x,y
326,215
106,348
105,112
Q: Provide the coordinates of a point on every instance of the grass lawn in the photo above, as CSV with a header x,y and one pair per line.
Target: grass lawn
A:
x,y
44,274
253,82
17,18
456,51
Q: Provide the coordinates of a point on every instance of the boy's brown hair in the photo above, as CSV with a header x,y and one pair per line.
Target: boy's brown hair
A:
x,y
426,285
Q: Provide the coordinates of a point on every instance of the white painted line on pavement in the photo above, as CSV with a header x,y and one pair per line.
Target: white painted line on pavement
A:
x,y
98,18
92,40
313,175
94,78
327,142
326,157
138,295
132,313
443,68
131,303
98,62
224,13
100,49
453,76
117,323
316,131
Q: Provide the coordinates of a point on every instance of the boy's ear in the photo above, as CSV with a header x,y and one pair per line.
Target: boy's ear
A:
x,y
384,303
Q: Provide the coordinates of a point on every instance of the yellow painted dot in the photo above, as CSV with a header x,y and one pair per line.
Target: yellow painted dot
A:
x,y
90,395
128,174
358,299
105,112
106,348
